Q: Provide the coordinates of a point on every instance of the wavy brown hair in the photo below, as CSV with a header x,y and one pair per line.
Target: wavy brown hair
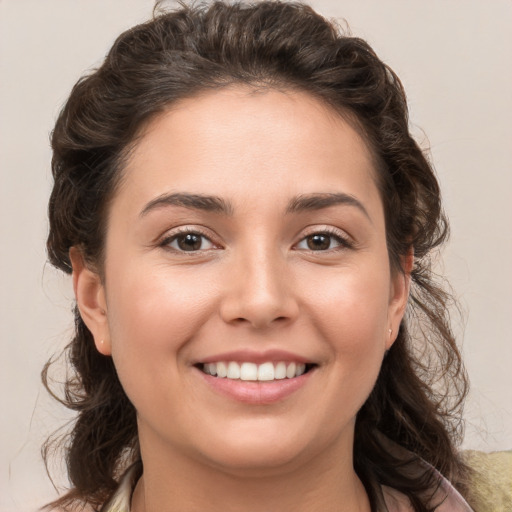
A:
x,y
417,400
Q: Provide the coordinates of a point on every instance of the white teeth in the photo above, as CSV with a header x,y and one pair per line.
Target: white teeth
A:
x,y
280,371
266,371
250,371
290,370
233,370
222,370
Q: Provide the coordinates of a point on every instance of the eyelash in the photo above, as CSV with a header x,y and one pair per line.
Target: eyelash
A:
x,y
168,240
342,240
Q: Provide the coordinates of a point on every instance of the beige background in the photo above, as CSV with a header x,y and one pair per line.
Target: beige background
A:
x,y
454,59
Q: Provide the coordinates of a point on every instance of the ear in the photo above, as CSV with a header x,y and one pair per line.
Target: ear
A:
x,y
399,295
90,298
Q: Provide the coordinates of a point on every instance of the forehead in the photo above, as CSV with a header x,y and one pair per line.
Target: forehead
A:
x,y
244,142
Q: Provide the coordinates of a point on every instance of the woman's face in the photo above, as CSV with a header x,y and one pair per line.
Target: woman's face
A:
x,y
246,236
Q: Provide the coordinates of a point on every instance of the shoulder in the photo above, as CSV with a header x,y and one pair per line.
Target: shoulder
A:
x,y
121,500
443,497
396,501
446,499
490,483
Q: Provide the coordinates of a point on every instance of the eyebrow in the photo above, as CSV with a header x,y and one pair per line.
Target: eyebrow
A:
x,y
318,201
193,201
215,204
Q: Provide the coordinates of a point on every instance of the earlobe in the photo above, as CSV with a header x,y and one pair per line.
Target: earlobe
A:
x,y
91,301
401,284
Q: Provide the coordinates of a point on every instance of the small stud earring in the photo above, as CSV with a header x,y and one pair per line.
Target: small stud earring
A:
x,y
390,331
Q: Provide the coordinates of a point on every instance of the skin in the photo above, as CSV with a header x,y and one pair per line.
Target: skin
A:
x,y
254,284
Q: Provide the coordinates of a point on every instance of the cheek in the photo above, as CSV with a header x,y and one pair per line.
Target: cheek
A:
x,y
347,312
352,307
152,315
351,315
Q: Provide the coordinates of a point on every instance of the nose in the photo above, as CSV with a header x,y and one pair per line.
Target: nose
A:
x,y
260,291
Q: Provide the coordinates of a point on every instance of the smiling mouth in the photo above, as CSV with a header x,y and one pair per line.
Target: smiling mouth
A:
x,y
264,372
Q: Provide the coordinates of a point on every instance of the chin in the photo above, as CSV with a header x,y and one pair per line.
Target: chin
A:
x,y
251,461
259,452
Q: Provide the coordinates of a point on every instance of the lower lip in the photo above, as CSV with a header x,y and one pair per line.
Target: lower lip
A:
x,y
262,392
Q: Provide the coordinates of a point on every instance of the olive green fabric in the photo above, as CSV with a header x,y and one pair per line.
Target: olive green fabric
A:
x,y
490,488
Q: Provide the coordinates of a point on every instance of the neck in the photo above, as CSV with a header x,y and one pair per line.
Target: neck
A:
x,y
174,483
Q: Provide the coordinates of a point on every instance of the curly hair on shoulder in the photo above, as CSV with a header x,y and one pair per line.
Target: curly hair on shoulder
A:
x,y
417,400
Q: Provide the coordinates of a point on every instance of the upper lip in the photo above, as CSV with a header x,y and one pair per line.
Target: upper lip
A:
x,y
251,356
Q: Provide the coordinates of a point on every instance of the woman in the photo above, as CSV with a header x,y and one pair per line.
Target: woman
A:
x,y
249,226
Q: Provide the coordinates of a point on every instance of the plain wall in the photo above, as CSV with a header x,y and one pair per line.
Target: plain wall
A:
x,y
454,60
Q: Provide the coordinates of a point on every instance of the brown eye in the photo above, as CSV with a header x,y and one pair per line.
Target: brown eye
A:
x,y
324,241
188,242
318,242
